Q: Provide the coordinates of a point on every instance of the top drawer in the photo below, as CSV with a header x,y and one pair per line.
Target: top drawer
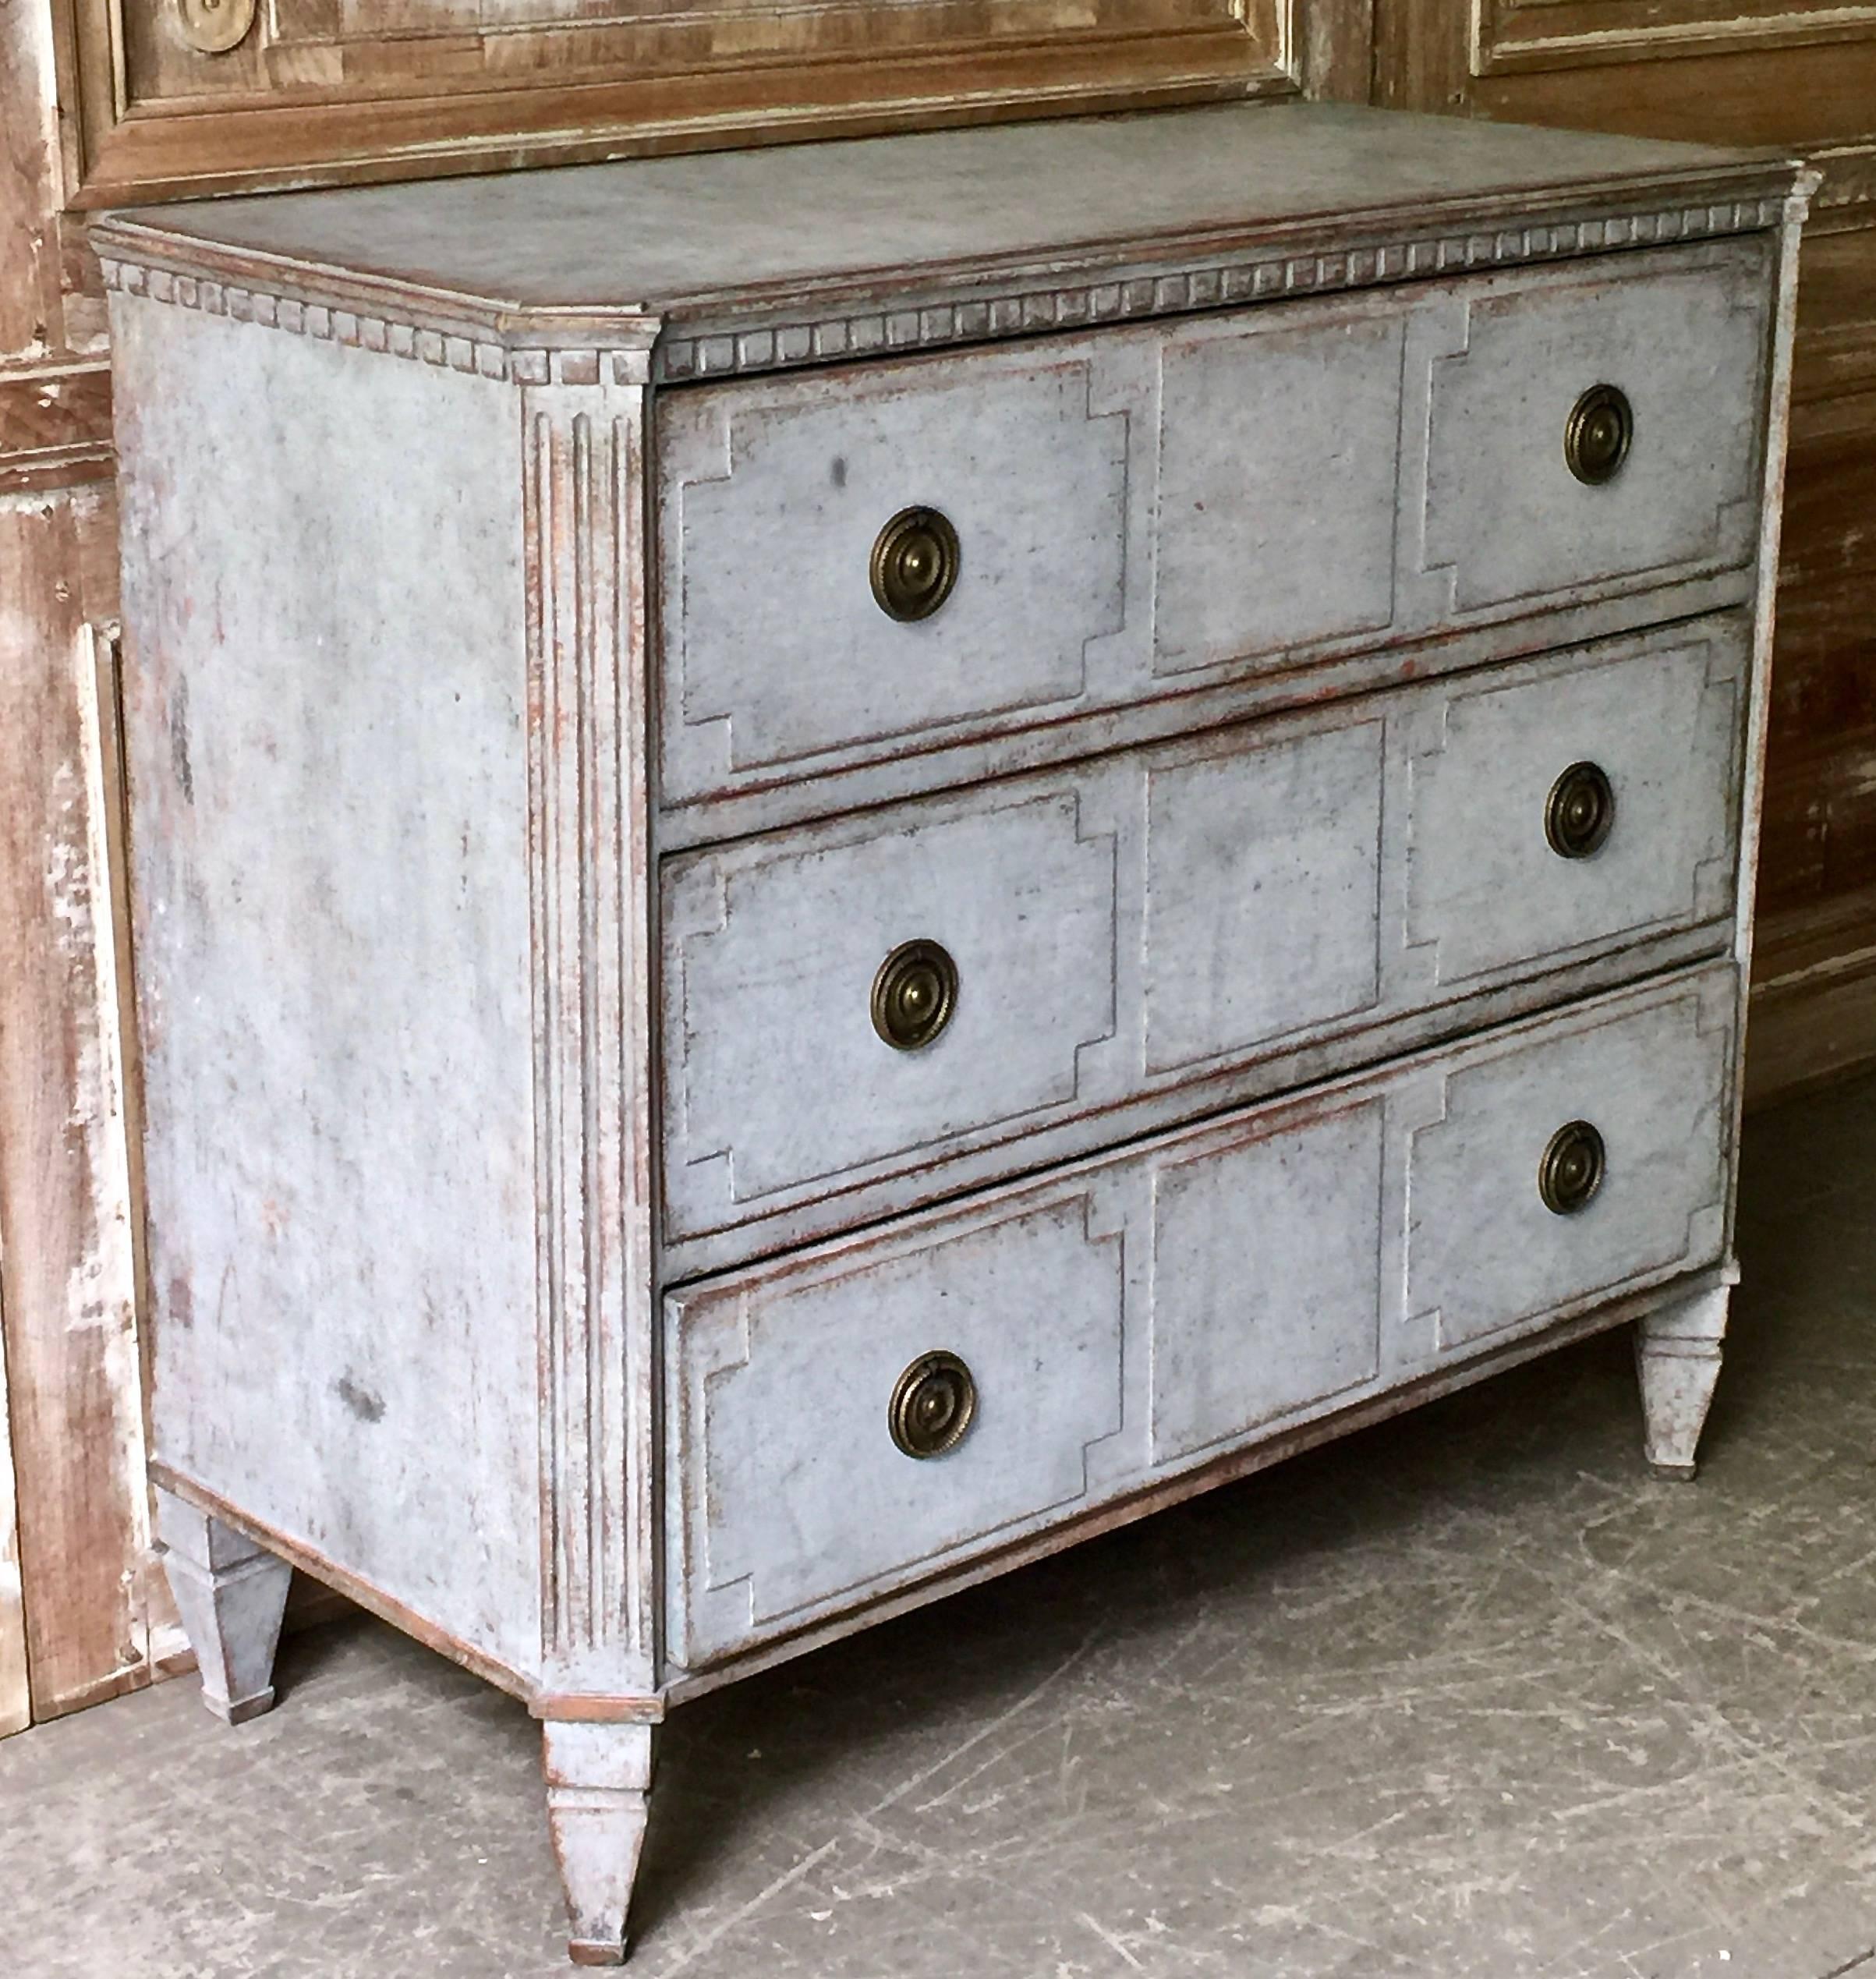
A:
x,y
877,559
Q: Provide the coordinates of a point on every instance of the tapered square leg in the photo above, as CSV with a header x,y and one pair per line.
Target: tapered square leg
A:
x,y
599,1789
230,1594
1677,1350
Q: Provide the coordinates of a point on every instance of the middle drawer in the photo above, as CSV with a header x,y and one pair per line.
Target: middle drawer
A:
x,y
887,993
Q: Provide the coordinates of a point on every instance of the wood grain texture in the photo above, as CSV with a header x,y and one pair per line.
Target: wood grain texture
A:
x,y
68,1275
15,1692
1550,35
55,427
98,1618
312,92
1813,996
31,298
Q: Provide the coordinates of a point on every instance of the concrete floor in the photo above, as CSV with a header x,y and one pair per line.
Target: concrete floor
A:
x,y
1469,1696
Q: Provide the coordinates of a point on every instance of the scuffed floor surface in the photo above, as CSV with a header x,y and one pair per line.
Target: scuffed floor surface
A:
x,y
1469,1696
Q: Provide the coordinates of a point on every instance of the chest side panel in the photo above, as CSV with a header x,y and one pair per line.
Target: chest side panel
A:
x,y
326,717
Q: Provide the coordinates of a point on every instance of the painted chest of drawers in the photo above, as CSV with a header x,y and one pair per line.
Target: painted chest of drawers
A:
x,y
849,860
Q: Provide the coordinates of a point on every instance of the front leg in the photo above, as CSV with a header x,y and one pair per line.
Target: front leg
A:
x,y
230,1594
599,1788
1677,1356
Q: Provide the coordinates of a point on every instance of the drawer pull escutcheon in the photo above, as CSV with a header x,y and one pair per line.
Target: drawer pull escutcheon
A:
x,y
915,563
1596,440
932,1404
1571,1171
1581,811
914,994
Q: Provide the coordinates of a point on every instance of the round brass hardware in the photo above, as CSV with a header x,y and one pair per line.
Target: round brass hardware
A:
x,y
1580,811
1598,433
1571,1171
915,563
914,994
214,26
932,1406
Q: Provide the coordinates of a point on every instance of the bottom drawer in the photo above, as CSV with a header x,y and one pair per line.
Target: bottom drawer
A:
x,y
850,1419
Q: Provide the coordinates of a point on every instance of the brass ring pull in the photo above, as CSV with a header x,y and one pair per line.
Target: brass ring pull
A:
x,y
1598,434
1571,1171
914,995
932,1405
214,27
915,563
1580,812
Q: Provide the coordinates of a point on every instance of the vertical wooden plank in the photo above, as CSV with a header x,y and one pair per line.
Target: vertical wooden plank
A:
x,y
67,1278
32,317
1338,49
76,1576
1422,57
15,1705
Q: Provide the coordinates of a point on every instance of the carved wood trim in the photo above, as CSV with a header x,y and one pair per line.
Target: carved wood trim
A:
x,y
1222,284
584,524
55,427
1512,35
498,343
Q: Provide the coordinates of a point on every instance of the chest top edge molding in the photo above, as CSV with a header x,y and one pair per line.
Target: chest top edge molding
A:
x,y
311,264
542,347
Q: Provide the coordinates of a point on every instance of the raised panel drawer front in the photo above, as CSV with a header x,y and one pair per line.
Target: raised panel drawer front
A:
x,y
1212,502
1162,920
1652,1086
791,1497
1658,361
777,646
1646,745
1059,1343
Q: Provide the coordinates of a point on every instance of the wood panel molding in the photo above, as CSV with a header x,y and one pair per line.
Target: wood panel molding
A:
x,y
478,337
1548,34
68,1276
316,91
589,883
1813,998
56,426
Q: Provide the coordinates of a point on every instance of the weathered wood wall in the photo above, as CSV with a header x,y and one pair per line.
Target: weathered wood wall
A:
x,y
100,101
77,1620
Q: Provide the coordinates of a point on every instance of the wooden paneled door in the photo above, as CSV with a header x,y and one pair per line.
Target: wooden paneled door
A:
x,y
1802,77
